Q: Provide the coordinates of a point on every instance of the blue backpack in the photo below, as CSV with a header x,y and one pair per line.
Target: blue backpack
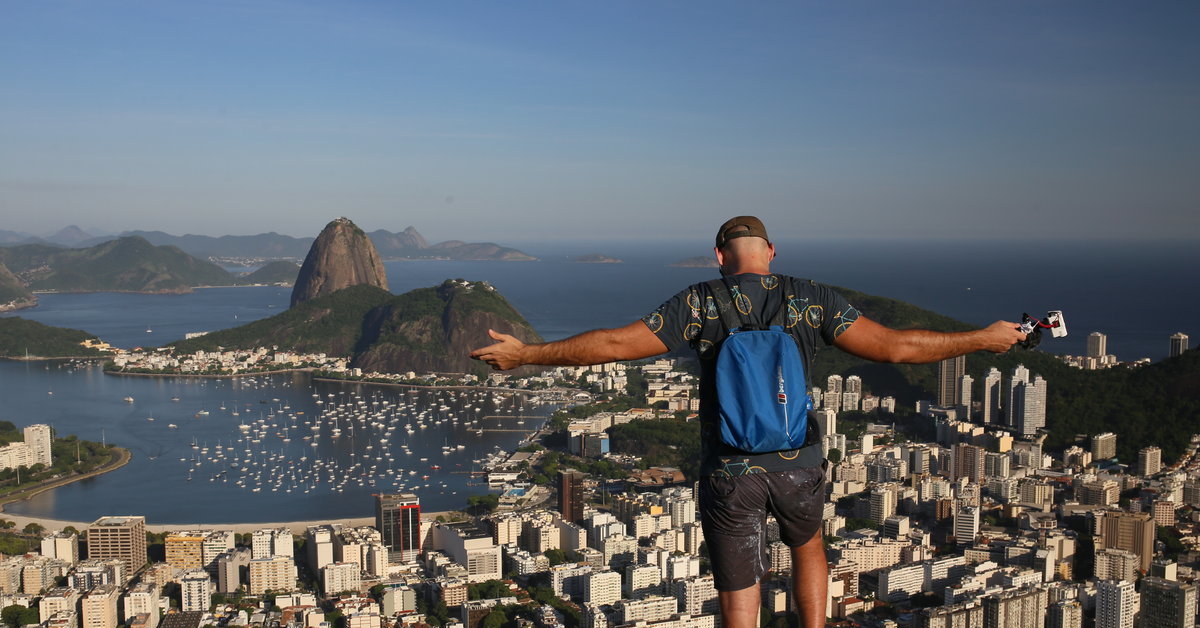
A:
x,y
762,391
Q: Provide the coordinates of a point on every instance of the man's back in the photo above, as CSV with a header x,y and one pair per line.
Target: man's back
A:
x,y
811,313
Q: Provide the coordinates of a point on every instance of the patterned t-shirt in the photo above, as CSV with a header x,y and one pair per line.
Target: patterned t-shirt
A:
x,y
814,315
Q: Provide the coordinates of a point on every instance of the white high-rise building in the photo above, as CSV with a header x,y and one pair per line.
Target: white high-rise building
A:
x,y
991,396
141,598
1026,402
883,503
196,589
603,587
643,580
1149,460
272,542
215,543
1179,344
99,607
650,609
277,573
1116,604
1065,614
1097,345
827,420
62,546
341,577
696,595
832,399
1104,446
966,525
39,437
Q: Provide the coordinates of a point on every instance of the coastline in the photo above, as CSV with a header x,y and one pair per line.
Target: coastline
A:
x,y
125,455
297,527
211,375
123,458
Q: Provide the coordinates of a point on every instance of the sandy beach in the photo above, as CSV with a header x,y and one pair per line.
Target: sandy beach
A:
x,y
297,527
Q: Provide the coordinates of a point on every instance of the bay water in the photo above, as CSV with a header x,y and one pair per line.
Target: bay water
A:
x,y
1136,293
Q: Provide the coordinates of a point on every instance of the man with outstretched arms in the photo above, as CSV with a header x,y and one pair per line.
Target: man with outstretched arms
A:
x,y
738,489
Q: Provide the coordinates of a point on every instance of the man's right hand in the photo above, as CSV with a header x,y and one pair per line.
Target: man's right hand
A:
x,y
503,355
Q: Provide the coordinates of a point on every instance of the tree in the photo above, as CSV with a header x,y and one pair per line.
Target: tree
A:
x,y
494,619
16,616
32,528
834,455
555,556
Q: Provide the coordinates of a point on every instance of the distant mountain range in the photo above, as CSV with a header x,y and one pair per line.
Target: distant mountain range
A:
x,y
73,260
122,265
425,330
407,244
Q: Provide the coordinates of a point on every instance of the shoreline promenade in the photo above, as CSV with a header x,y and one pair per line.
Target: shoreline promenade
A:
x,y
297,527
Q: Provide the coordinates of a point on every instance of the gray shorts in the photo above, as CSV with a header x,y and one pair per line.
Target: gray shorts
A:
x,y
733,511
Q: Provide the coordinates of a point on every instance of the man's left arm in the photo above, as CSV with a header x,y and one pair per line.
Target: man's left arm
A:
x,y
631,342
869,340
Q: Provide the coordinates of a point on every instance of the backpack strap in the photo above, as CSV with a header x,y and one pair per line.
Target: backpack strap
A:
x,y
780,316
733,318
730,316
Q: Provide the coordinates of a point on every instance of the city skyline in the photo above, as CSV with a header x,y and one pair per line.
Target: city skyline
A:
x,y
504,123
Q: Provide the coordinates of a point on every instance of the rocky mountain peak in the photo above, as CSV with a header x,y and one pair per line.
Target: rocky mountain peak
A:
x,y
342,256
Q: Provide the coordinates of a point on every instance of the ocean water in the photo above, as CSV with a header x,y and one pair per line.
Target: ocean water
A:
x,y
1138,294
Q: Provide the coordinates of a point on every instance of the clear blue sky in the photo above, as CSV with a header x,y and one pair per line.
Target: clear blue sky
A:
x,y
513,121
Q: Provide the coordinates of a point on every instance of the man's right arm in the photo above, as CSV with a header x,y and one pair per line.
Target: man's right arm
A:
x,y
631,342
869,340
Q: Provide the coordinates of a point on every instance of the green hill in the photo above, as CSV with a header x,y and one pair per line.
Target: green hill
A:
x,y
1151,405
20,337
428,329
124,265
279,272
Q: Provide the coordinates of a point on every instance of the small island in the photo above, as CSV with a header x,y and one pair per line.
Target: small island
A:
x,y
596,258
700,261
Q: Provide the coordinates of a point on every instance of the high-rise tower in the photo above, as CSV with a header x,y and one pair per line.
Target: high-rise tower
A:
x,y
570,495
1026,402
1179,344
1167,604
398,519
950,374
123,538
991,396
39,439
